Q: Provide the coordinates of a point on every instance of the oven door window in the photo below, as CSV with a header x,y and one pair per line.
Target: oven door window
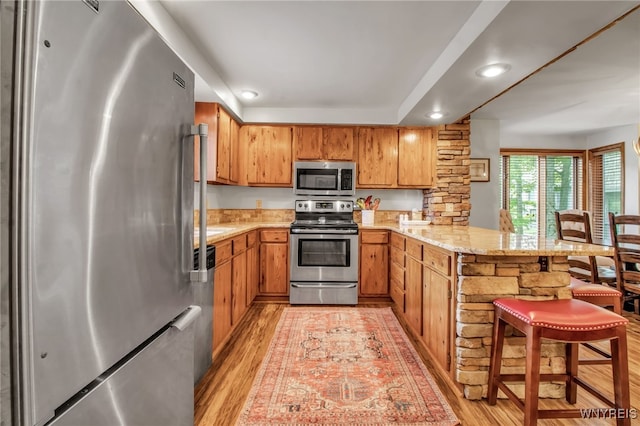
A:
x,y
317,179
324,252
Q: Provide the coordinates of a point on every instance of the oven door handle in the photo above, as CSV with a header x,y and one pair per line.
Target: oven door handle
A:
x,y
351,285
324,231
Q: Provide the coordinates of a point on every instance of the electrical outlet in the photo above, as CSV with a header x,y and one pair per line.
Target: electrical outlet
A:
x,y
258,204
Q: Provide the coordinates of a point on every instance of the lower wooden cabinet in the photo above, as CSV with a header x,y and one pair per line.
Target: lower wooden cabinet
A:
x,y
436,319
222,280
239,276
235,283
253,267
274,262
374,263
425,288
413,295
397,272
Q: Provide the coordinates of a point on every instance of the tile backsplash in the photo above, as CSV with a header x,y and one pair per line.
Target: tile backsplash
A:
x,y
216,216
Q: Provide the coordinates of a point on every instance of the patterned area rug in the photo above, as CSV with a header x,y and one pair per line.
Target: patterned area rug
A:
x,y
343,366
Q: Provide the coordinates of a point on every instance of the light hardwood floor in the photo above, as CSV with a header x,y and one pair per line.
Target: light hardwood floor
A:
x,y
220,395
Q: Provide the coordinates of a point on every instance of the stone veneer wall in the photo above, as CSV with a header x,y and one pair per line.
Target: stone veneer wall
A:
x,y
448,202
481,279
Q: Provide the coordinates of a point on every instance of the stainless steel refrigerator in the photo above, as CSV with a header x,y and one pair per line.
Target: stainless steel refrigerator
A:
x,y
97,218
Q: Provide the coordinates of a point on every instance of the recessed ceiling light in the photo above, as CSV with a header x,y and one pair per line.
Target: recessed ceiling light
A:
x,y
492,70
249,94
436,115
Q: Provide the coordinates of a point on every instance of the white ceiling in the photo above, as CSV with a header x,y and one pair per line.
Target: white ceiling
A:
x,y
392,62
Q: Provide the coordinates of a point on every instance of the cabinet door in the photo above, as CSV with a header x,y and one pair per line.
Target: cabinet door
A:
x,y
252,274
308,143
234,151
416,152
223,145
374,269
269,157
338,143
221,303
413,294
207,113
377,157
239,287
274,269
437,315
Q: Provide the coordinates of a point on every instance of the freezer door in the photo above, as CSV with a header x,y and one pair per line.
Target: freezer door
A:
x,y
108,192
152,388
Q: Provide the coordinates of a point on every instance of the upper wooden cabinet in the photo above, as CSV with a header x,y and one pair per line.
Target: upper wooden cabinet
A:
x,y
268,154
324,143
416,156
222,145
377,157
396,157
234,154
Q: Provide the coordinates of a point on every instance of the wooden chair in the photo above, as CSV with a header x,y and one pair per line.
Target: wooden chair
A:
x,y
564,320
626,242
575,225
506,224
587,278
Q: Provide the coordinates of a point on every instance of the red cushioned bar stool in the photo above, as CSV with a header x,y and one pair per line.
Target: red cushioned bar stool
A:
x,y
601,295
567,320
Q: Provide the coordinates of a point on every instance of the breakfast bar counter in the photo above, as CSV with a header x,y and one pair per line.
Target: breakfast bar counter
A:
x,y
482,241
475,266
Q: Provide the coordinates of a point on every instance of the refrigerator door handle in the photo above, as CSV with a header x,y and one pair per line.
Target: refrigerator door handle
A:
x,y
200,275
184,320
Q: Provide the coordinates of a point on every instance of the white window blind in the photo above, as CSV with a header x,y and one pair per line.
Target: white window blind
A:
x,y
534,186
606,188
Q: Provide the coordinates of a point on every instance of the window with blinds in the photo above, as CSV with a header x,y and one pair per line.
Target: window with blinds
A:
x,y
535,185
606,188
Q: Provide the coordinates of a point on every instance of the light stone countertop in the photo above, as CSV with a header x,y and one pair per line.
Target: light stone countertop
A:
x,y
460,239
235,229
473,240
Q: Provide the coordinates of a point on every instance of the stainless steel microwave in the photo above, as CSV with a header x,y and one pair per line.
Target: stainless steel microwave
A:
x,y
324,178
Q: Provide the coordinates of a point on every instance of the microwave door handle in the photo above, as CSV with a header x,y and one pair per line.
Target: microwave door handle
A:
x,y
200,275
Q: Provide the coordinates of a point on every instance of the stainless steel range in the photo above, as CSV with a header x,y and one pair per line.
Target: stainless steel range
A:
x,y
324,253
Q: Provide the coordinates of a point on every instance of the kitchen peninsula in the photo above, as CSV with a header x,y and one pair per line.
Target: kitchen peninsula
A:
x,y
442,280
451,276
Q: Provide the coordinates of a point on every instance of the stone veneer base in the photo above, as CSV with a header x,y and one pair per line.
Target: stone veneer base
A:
x,y
481,279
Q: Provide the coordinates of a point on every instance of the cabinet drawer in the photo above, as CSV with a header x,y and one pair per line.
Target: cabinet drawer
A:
x,y
414,248
397,295
251,238
397,241
437,260
274,235
239,243
397,257
223,251
375,237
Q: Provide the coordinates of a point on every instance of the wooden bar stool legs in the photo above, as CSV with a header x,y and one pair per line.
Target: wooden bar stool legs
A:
x,y
571,321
